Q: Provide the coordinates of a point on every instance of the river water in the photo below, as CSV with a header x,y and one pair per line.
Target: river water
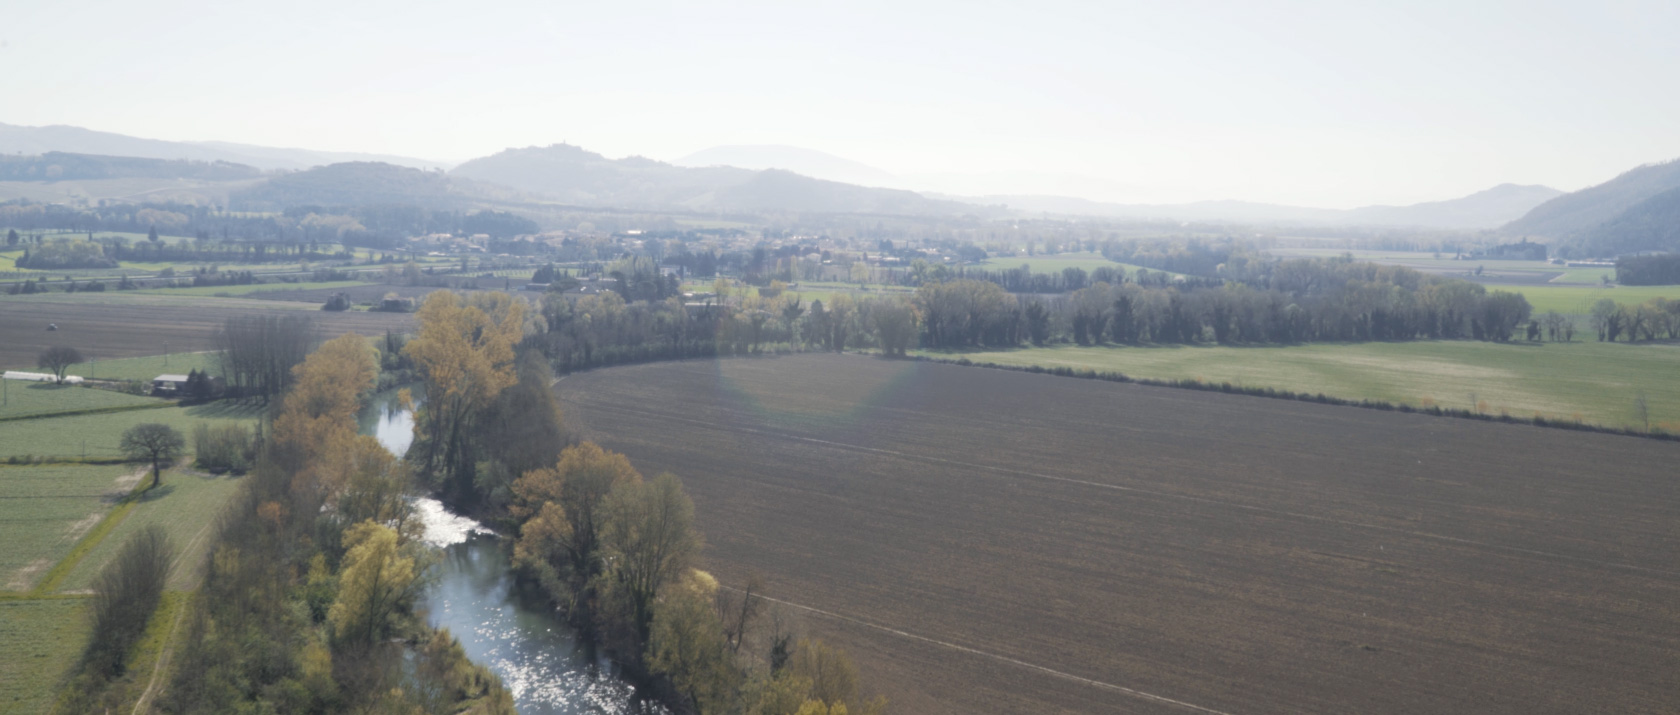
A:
x,y
501,625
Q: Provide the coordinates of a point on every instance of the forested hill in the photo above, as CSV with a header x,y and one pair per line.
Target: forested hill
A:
x,y
366,183
1650,225
576,176
64,166
1608,217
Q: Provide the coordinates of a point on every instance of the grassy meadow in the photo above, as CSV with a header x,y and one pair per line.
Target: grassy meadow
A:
x,y
34,399
46,509
98,435
1595,382
185,505
146,368
39,641
1579,299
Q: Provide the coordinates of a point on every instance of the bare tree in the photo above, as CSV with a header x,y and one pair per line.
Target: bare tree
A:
x,y
157,443
58,359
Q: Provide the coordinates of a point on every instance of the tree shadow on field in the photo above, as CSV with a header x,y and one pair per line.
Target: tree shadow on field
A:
x,y
161,491
228,410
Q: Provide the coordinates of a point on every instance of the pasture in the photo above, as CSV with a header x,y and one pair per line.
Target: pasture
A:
x,y
115,325
1002,542
1084,260
1579,299
39,641
33,399
1600,382
186,506
97,436
147,367
46,509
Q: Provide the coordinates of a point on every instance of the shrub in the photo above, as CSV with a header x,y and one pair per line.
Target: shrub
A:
x,y
124,597
222,448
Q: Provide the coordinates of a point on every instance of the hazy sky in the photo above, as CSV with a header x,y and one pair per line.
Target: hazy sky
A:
x,y
1319,103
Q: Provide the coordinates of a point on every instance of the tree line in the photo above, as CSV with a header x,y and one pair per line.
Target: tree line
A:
x,y
376,226
307,603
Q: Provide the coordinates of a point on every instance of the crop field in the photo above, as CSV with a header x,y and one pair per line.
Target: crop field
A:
x,y
98,435
1600,382
45,509
39,641
1001,542
29,399
115,325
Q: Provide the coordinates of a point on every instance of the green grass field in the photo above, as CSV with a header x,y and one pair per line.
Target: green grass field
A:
x,y
28,399
44,509
1597,381
99,435
1054,264
1578,299
40,640
185,505
146,368
226,291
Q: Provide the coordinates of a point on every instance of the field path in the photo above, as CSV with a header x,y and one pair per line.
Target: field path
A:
x,y
990,541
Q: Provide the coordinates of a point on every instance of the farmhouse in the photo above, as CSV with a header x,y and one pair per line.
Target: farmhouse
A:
x,y
163,385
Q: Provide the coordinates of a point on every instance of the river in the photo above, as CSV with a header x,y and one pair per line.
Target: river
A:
x,y
538,656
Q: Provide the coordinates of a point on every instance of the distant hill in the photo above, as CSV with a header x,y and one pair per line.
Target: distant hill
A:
x,y
59,138
581,177
61,166
365,183
1650,225
809,162
1571,216
1484,209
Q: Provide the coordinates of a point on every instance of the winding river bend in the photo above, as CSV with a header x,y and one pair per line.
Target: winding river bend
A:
x,y
549,670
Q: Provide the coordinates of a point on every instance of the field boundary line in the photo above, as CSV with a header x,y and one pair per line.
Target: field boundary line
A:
x,y
88,411
1150,492
1003,658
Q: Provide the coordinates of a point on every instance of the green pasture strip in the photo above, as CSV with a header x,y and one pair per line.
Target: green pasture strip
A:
x,y
41,639
186,505
90,411
1597,383
45,511
90,541
99,435
33,399
1579,299
147,368
241,290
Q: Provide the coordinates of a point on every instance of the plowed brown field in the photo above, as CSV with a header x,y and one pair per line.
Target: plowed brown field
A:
x,y
987,541
118,325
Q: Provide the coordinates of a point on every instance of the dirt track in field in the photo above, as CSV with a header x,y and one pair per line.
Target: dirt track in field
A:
x,y
990,541
117,329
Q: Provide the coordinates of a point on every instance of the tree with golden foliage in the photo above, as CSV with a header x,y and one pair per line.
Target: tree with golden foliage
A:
x,y
376,582
464,352
317,421
579,483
